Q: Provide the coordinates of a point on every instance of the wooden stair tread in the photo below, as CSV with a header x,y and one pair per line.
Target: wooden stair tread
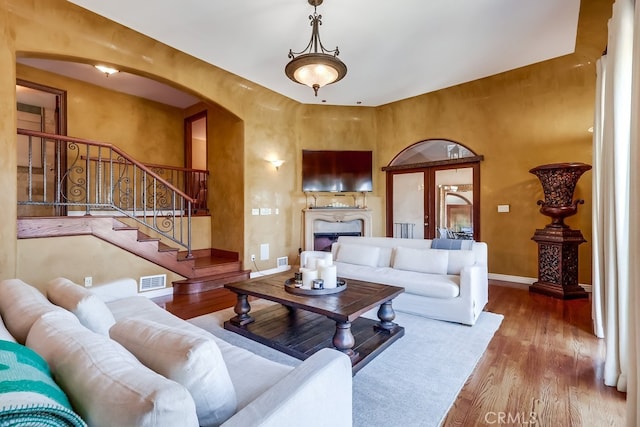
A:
x,y
212,277
207,283
166,248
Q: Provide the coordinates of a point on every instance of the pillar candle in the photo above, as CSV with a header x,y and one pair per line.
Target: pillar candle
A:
x,y
329,274
328,258
307,276
311,263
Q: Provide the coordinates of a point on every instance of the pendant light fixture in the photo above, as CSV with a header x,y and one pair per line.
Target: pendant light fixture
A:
x,y
312,67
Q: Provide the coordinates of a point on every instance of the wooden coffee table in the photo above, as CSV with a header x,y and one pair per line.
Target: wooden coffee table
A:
x,y
300,325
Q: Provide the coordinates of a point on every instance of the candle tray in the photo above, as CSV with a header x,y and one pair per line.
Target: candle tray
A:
x,y
289,286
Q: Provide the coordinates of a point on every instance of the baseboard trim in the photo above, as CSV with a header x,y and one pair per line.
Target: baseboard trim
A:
x,y
157,293
269,272
525,282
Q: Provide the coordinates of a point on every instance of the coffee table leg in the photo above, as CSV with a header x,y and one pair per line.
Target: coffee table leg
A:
x,y
386,316
343,339
242,309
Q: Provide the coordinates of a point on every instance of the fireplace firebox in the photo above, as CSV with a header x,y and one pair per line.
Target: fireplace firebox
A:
x,y
323,241
322,227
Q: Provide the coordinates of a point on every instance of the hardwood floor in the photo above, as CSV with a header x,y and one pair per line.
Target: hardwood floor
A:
x,y
543,366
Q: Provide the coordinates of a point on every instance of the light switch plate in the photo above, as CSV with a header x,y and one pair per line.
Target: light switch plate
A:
x,y
264,251
503,208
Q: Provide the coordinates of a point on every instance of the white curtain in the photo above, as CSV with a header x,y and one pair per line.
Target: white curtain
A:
x,y
611,191
633,412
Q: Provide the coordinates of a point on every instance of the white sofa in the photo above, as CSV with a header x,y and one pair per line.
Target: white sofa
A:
x,y
443,284
122,360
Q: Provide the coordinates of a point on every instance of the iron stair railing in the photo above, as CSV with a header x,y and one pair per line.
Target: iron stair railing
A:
x,y
79,176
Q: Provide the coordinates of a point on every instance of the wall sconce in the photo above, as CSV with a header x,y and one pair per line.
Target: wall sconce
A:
x,y
106,70
276,163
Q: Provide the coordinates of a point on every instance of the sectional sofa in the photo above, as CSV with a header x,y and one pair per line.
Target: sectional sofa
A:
x,y
118,359
443,279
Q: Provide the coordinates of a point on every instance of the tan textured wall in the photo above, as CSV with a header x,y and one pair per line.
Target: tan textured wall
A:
x,y
76,257
8,150
147,130
517,120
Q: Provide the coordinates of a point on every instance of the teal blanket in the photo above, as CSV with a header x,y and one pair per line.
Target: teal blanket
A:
x,y
28,394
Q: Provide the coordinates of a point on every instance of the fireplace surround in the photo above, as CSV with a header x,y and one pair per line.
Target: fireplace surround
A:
x,y
323,225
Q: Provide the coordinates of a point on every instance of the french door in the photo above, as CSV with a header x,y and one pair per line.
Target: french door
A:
x,y
438,201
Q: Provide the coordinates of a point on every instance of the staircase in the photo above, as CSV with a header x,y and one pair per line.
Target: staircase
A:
x,y
204,270
100,180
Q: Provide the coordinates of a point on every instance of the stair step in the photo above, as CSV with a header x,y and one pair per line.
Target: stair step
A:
x,y
146,238
166,248
207,283
211,263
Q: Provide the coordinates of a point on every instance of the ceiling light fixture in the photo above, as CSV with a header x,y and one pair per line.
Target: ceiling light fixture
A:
x,y
312,67
106,70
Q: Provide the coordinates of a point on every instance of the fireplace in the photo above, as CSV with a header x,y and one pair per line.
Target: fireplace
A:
x,y
323,226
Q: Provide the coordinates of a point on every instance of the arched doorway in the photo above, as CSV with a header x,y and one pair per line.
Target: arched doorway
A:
x,y
433,191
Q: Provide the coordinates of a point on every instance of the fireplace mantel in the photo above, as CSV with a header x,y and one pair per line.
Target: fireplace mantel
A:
x,y
311,215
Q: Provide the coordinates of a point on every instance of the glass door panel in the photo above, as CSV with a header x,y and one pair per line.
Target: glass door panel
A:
x,y
453,191
409,220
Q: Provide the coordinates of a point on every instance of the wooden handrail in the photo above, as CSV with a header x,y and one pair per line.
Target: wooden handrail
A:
x,y
112,147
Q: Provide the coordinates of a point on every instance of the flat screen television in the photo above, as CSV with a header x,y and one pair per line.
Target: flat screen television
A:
x,y
337,171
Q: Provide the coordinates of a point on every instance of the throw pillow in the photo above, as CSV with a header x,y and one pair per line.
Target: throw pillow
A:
x,y
89,308
21,305
185,357
105,383
358,254
432,261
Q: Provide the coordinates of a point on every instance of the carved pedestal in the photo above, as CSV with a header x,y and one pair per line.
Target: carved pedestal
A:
x,y
558,262
557,243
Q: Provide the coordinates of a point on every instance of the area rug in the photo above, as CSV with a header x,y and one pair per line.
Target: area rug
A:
x,y
412,383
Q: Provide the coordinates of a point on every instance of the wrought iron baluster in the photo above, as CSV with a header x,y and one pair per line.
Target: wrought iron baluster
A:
x,y
88,180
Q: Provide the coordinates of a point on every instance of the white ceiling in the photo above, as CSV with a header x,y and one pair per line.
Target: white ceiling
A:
x,y
393,49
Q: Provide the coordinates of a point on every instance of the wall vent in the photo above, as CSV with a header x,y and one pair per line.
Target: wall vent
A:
x,y
282,261
148,283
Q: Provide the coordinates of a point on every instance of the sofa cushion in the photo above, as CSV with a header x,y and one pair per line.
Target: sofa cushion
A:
x,y
185,357
460,259
88,308
105,383
358,254
434,261
5,335
425,284
250,374
21,305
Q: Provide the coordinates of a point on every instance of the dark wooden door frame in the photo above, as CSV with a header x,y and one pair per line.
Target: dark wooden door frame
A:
x,y
188,136
429,170
61,122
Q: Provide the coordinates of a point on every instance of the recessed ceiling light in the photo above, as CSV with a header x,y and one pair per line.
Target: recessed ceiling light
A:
x,y
106,70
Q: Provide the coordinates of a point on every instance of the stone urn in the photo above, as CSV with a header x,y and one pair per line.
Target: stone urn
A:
x,y
558,183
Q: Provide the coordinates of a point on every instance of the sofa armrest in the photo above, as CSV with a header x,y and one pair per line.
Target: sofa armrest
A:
x,y
318,392
474,286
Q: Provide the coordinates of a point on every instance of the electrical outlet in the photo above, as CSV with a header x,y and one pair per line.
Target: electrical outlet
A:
x,y
88,282
253,257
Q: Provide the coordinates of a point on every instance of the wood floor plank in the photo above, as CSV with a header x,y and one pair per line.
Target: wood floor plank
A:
x,y
544,360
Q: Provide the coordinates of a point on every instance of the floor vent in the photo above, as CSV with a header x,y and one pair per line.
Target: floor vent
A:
x,y
148,283
283,261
